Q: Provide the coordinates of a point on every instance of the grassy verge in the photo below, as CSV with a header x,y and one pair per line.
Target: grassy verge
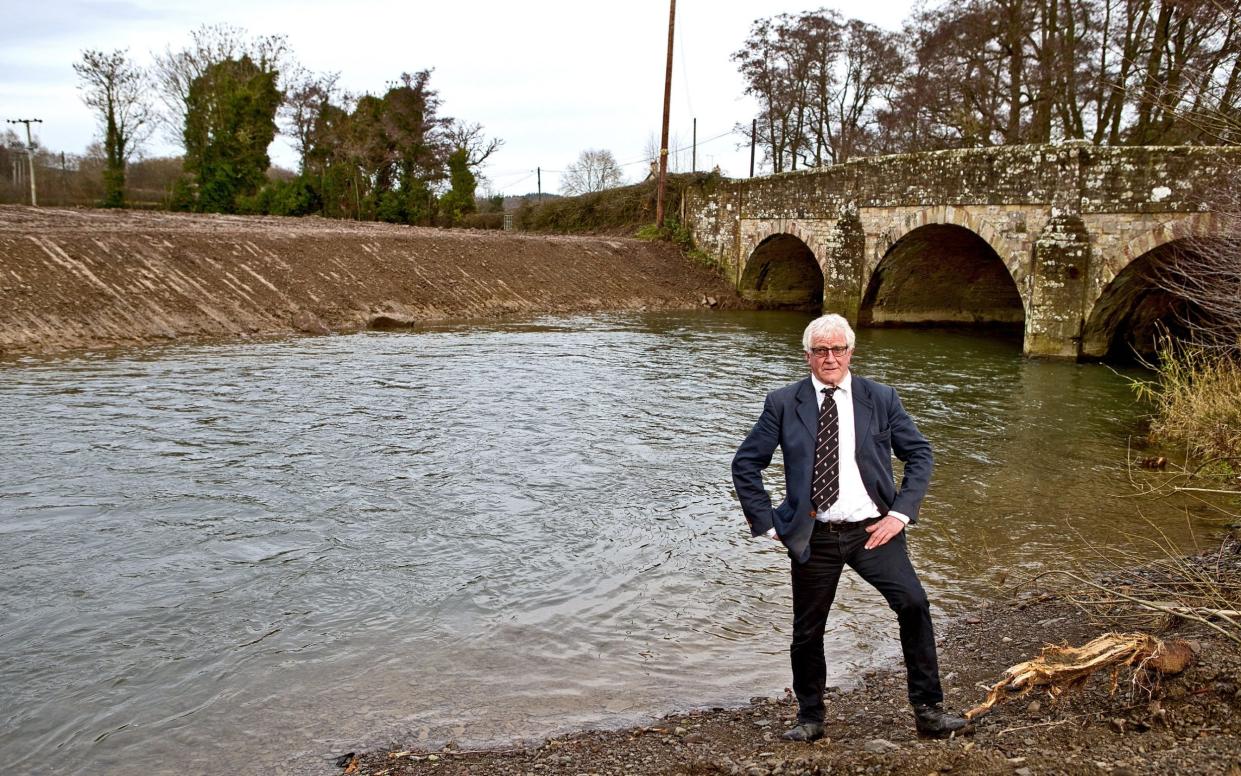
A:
x,y
679,235
619,211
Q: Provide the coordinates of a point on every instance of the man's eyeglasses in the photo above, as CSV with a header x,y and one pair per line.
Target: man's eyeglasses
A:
x,y
838,351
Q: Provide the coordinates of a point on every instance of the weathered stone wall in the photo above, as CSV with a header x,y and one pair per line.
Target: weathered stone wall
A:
x,y
1065,220
88,278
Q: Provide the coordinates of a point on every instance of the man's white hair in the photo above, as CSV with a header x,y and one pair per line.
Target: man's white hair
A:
x,y
826,326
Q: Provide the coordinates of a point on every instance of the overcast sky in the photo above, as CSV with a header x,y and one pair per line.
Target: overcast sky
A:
x,y
549,77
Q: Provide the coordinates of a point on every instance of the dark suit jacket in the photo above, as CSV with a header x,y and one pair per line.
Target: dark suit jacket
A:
x,y
790,420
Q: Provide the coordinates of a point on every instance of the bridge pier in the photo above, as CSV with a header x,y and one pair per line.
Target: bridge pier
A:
x,y
1058,275
843,263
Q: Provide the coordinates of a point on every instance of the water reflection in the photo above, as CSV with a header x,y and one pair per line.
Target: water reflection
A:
x,y
225,557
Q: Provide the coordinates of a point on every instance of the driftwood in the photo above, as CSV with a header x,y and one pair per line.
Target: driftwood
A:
x,y
1062,668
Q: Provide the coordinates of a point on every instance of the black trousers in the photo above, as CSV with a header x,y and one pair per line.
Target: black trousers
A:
x,y
889,571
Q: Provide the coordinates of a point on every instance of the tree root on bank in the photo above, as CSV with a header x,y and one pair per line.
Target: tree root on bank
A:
x,y
1063,668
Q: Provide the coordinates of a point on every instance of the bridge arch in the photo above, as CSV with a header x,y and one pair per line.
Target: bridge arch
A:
x,y
1130,308
893,230
944,269
1153,238
783,271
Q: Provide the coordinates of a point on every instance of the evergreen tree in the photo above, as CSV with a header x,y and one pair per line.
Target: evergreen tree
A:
x,y
459,200
230,123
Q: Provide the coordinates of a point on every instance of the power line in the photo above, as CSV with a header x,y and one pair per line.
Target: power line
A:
x,y
517,182
646,160
525,175
528,174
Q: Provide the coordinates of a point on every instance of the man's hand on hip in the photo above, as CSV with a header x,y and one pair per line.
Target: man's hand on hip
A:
x,y
883,531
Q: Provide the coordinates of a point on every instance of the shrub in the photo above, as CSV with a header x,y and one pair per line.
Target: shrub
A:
x,y
482,221
281,198
615,211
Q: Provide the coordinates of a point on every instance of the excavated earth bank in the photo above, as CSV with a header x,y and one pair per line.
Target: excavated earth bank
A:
x,y
74,279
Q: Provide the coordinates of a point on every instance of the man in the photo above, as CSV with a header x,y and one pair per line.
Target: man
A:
x,y
838,433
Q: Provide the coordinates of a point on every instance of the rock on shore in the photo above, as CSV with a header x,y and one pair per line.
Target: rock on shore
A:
x,y
94,278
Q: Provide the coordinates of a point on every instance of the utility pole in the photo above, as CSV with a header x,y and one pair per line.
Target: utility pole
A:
x,y
663,142
539,170
693,158
753,138
34,198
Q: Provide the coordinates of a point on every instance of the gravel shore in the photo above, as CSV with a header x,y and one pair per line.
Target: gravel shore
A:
x,y
1189,723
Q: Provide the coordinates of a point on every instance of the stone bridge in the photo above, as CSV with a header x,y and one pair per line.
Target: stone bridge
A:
x,y
1057,240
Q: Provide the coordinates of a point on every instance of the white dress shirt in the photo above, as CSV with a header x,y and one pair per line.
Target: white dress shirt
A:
x,y
854,503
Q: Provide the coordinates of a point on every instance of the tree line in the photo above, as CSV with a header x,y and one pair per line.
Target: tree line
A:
x,y
961,74
993,72
225,96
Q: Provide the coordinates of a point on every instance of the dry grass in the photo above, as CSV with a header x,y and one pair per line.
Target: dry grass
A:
x,y
1154,593
1197,400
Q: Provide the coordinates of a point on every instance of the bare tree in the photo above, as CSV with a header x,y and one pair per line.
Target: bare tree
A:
x,y
968,73
594,170
116,89
869,66
957,90
469,136
1188,80
821,33
1138,72
821,84
307,99
1207,274
677,153
175,71
770,64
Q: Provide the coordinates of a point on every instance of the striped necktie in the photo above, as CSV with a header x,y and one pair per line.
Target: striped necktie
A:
x,y
825,488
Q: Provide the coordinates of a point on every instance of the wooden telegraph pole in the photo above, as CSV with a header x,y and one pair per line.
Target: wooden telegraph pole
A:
x,y
753,140
663,141
34,197
693,159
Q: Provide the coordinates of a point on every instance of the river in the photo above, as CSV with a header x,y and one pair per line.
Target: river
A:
x,y
252,557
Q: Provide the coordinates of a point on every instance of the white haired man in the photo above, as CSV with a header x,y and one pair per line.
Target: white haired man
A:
x,y
838,433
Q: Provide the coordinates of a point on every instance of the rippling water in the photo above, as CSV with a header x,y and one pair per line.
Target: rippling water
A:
x,y
245,558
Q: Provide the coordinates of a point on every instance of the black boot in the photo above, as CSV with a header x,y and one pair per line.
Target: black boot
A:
x,y
804,731
933,722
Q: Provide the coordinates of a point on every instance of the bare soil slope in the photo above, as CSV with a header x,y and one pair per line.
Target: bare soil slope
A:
x,y
89,278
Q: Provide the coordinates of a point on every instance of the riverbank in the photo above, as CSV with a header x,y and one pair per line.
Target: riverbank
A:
x,y
1187,723
73,279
